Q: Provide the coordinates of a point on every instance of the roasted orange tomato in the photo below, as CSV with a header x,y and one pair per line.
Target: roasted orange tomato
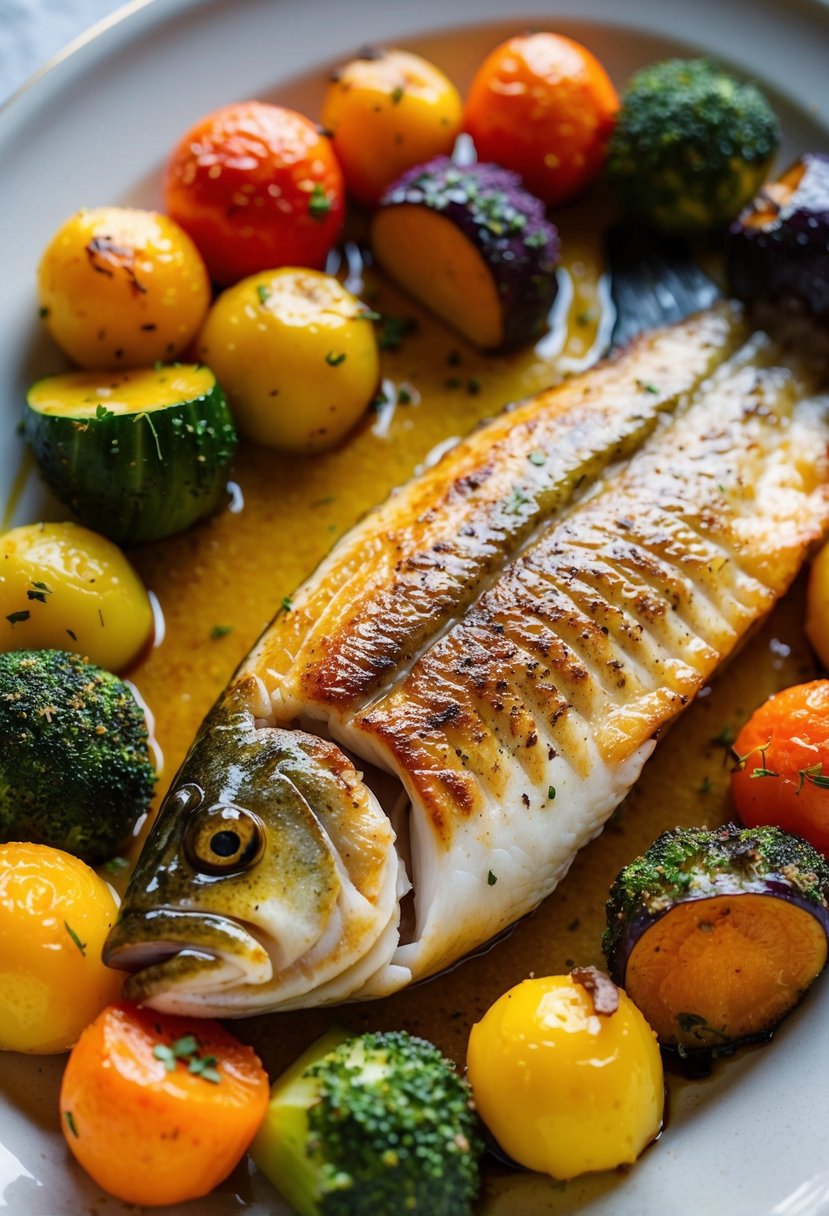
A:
x,y
543,106
782,772
256,186
159,1109
388,111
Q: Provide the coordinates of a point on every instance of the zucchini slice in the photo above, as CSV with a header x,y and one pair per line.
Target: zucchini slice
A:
x,y
136,454
716,935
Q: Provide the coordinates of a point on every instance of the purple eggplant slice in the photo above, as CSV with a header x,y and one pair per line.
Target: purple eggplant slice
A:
x,y
473,246
778,248
716,935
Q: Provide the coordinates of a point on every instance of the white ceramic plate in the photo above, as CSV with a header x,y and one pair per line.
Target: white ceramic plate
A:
x,y
96,129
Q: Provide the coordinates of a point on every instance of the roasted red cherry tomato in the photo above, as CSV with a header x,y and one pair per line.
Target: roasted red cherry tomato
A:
x,y
782,772
543,106
256,186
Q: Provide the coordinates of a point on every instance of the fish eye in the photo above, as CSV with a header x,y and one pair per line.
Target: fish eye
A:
x,y
223,839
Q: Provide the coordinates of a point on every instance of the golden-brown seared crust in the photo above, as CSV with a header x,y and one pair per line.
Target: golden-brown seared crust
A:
x,y
425,555
614,617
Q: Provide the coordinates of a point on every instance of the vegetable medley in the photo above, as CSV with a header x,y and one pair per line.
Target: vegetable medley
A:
x,y
564,1071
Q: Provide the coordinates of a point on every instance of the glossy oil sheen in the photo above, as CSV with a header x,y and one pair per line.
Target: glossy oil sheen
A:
x,y
154,66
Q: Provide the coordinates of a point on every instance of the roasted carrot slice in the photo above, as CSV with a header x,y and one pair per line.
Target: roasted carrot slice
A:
x,y
159,1109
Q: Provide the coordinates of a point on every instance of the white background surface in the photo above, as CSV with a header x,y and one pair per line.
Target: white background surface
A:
x,y
32,31
753,1141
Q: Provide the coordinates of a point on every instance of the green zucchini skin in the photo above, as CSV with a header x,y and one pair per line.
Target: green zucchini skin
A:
x,y
137,477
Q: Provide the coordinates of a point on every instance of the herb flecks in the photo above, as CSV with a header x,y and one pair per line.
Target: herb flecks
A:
x,y
335,357
17,618
116,865
81,945
287,604
263,292
814,775
724,738
393,330
491,879
319,204
536,457
101,412
39,591
186,1050
220,631
71,1124
551,792
397,95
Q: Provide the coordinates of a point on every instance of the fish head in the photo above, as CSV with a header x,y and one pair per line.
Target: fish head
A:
x,y
267,873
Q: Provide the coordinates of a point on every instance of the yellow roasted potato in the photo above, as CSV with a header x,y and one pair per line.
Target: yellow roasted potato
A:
x,y
566,1089
297,356
120,287
64,587
54,915
387,112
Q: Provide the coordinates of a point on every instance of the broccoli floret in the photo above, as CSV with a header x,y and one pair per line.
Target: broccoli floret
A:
x,y
74,766
691,145
378,1125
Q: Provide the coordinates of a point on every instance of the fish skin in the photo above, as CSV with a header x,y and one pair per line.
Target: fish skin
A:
x,y
371,606
519,714
289,898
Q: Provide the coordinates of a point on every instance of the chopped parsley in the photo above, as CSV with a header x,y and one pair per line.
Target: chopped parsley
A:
x,y
186,1049
263,292
287,604
725,737
815,775
393,330
40,592
220,631
335,357
647,387
101,412
116,865
81,945
319,204
491,879
71,1124
516,500
397,95
16,618
551,792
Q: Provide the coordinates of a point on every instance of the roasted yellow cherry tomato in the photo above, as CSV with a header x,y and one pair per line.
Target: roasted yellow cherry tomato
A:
x,y
54,915
297,356
564,1089
119,287
388,111
64,587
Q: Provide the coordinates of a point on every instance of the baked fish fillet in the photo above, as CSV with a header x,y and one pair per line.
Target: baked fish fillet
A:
x,y
471,682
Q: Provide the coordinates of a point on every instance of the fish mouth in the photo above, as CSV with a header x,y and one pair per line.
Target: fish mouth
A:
x,y
177,956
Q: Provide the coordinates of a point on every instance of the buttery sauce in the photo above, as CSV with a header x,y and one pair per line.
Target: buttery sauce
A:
x,y
218,585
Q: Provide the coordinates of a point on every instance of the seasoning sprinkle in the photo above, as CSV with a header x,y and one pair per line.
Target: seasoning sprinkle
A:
x,y
81,945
